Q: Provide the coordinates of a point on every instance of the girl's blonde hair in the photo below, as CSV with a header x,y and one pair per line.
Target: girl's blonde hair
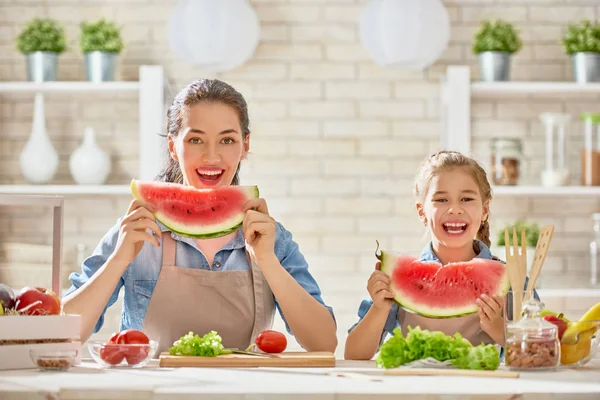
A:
x,y
445,160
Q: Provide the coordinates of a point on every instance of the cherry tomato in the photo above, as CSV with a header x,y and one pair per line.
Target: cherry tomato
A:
x,y
110,352
134,354
271,341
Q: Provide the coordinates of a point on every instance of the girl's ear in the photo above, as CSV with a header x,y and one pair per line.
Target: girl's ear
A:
x,y
172,150
421,212
486,211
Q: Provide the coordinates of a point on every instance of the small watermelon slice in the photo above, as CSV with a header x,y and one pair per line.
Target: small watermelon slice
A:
x,y
435,291
197,213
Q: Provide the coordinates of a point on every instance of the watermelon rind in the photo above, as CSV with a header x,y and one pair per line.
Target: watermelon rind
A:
x,y
206,231
388,261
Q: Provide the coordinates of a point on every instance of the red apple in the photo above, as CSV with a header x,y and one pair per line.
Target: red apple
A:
x,y
562,325
47,301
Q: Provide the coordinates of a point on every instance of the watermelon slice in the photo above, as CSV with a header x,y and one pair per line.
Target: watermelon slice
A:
x,y
197,213
435,291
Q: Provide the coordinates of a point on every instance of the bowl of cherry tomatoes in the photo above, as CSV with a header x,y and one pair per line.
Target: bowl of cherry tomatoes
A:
x,y
129,348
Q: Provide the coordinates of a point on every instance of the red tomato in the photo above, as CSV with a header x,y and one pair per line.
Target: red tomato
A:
x,y
110,352
271,341
134,354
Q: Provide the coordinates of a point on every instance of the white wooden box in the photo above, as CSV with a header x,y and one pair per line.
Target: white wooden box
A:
x,y
39,327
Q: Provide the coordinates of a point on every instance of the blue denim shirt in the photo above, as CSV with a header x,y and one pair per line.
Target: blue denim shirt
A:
x,y
141,275
426,255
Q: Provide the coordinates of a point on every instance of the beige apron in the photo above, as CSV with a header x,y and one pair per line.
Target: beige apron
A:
x,y
468,326
237,304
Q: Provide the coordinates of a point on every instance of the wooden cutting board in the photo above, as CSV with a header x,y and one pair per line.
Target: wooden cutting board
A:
x,y
285,359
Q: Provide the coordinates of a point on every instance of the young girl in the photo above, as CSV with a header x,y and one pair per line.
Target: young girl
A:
x,y
174,284
453,200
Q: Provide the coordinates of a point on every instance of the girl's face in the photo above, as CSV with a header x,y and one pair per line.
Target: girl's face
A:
x,y
210,145
453,208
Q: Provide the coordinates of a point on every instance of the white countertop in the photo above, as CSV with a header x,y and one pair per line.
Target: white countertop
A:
x,y
364,380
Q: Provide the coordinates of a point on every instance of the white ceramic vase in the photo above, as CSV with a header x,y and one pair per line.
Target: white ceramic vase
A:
x,y
39,159
89,164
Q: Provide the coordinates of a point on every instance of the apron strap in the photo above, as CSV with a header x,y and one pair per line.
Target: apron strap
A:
x,y
168,249
260,311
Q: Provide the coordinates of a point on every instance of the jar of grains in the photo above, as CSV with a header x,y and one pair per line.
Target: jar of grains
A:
x,y
505,160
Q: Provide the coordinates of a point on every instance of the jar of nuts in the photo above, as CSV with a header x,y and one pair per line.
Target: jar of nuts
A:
x,y
531,343
505,160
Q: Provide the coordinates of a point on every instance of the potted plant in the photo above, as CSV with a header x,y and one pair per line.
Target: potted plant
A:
x,y
495,42
101,44
532,234
42,40
582,42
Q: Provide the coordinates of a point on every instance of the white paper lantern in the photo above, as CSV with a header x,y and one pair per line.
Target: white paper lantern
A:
x,y
217,35
405,33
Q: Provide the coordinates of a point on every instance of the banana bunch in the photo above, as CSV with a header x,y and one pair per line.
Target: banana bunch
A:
x,y
586,326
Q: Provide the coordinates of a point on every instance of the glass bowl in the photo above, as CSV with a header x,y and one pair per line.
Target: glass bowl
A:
x,y
53,360
122,355
587,345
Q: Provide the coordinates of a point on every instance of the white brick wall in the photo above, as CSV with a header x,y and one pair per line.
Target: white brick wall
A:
x,y
336,139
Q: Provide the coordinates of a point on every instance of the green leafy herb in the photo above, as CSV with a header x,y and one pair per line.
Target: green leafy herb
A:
x,y
479,357
420,344
209,345
532,233
497,35
41,35
583,37
101,36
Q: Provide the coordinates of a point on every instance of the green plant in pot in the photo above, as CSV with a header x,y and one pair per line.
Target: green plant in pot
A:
x,y
532,235
495,42
582,43
41,41
101,44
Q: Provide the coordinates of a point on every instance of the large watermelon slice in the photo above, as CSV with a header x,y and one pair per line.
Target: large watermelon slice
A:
x,y
198,213
435,291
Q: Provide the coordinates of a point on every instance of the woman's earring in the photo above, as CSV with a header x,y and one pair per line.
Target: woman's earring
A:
x,y
425,222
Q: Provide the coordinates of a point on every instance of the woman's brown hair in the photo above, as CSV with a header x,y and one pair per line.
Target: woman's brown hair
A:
x,y
445,160
198,91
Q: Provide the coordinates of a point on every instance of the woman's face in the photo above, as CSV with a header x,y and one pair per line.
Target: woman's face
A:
x,y
210,145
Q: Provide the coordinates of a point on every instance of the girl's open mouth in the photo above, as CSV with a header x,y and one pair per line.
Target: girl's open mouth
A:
x,y
210,177
455,228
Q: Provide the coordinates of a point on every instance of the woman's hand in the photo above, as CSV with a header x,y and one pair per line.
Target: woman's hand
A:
x,y
379,289
133,233
259,230
490,316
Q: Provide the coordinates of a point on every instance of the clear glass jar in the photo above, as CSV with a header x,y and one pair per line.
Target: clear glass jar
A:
x,y
595,251
531,343
505,160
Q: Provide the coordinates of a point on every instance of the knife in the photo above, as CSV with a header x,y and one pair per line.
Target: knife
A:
x,y
252,353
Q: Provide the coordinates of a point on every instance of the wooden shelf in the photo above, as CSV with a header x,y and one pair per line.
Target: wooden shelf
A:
x,y
504,88
69,86
573,191
66,189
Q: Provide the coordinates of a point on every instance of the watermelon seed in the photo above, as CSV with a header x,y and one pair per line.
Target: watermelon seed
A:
x,y
212,208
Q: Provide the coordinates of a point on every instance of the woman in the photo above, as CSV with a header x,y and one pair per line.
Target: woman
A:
x,y
175,284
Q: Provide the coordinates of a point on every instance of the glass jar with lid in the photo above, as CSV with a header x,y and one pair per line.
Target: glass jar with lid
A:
x,y
531,343
505,160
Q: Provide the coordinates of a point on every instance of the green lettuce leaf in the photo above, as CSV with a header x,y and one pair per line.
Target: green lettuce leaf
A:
x,y
209,345
420,344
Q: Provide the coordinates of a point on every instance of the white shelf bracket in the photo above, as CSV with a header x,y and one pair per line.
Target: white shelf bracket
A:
x,y
456,101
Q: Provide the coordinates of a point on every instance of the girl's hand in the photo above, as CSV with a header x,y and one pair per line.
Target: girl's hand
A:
x,y
133,233
259,230
490,315
379,289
